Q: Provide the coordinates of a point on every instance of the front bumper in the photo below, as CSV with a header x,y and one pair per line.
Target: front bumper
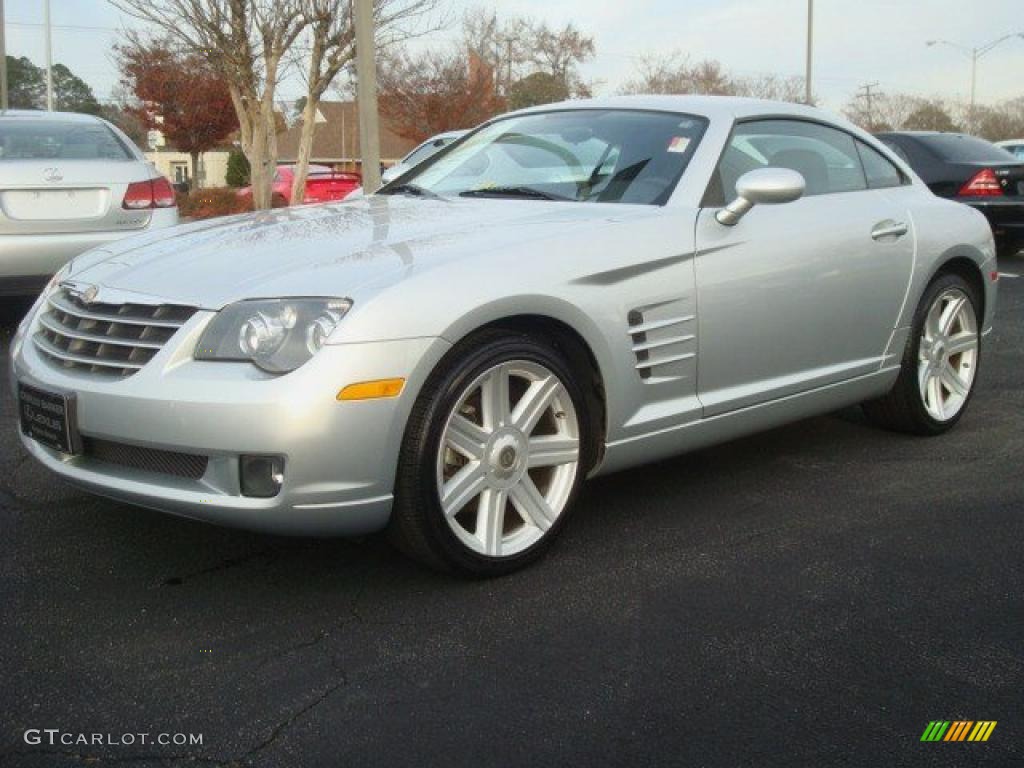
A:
x,y
340,457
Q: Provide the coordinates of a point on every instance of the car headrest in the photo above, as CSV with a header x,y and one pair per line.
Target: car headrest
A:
x,y
808,164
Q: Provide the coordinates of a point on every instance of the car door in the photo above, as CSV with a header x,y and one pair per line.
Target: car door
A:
x,y
805,294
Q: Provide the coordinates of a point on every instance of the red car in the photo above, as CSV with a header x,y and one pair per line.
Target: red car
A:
x,y
322,185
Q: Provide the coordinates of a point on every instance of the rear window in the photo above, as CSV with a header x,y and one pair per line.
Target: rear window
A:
x,y
965,149
59,140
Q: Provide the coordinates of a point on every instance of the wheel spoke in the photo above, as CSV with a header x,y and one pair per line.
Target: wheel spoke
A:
x,y
924,375
932,322
531,504
466,437
553,451
924,350
490,520
962,342
494,397
950,314
461,488
534,402
934,398
952,381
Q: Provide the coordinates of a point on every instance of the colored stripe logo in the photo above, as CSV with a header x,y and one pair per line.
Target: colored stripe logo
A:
x,y
958,730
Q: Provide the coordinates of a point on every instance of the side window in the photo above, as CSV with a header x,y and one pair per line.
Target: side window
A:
x,y
826,157
899,151
880,173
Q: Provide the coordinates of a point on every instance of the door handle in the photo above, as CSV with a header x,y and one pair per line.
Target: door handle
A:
x,y
889,229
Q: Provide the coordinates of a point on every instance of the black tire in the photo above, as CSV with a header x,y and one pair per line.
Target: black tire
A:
x,y
903,409
417,526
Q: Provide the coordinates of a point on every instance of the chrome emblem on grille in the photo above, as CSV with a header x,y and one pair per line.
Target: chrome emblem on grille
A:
x,y
53,175
86,294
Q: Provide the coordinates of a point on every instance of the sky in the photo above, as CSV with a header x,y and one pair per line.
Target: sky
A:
x,y
859,42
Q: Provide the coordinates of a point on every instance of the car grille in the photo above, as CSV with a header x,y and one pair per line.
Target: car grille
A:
x,y
107,339
188,465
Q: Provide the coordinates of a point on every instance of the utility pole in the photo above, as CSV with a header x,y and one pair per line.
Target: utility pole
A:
x,y
48,33
974,54
810,52
867,88
366,93
3,61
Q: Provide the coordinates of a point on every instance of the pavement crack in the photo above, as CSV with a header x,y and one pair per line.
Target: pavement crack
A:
x,y
293,718
233,562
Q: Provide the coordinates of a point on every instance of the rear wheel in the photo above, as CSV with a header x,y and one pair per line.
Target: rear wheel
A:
x,y
495,451
940,363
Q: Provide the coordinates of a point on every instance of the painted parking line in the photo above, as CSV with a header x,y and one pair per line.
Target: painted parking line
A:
x,y
1008,274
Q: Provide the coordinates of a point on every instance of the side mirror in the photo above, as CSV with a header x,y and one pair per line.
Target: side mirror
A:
x,y
764,186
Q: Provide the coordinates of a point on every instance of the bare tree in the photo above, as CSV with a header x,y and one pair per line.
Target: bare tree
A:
x,y
901,111
517,47
330,40
675,75
559,52
245,42
774,87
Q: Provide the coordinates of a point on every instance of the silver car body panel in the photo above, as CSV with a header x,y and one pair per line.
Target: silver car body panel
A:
x,y
53,209
700,332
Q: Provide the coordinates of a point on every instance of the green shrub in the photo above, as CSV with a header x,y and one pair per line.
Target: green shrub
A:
x,y
238,169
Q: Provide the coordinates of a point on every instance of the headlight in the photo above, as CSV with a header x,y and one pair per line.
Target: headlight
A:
x,y
278,335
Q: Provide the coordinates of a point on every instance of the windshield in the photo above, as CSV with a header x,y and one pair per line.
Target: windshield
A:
x,y
607,156
59,140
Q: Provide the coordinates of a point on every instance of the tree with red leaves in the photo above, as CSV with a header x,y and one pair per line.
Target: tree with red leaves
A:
x,y
179,95
435,92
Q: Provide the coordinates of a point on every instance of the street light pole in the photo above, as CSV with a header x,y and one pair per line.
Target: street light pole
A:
x,y
974,54
49,56
810,51
366,94
3,61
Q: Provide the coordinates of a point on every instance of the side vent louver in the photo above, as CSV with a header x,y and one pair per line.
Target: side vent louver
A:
x,y
663,340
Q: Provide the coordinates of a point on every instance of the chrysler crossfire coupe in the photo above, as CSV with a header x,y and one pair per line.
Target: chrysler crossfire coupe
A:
x,y
571,290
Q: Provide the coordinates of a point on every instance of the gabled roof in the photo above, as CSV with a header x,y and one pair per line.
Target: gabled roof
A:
x,y
336,136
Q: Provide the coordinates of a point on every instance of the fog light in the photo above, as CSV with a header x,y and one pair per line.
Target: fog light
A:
x,y
261,476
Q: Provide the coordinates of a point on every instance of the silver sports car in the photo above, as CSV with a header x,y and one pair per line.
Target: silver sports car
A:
x,y
572,290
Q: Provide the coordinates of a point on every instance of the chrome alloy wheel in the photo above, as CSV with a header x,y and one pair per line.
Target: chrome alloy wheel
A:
x,y
948,355
508,458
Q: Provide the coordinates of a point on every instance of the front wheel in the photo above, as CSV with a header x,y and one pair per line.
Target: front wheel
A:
x,y
494,453
940,363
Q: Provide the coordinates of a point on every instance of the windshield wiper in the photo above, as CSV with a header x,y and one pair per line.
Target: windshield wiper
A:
x,y
411,189
529,193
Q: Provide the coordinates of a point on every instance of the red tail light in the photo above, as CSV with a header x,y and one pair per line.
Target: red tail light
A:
x,y
139,195
155,193
982,184
163,194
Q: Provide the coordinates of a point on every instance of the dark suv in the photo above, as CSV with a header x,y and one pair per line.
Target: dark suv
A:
x,y
972,171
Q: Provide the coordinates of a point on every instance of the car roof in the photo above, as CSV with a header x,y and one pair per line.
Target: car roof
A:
x,y
69,117
712,107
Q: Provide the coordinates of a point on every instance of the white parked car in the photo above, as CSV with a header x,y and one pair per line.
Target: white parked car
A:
x,y
69,183
1013,146
424,151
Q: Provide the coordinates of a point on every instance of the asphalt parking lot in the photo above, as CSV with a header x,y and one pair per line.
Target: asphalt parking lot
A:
x,y
810,596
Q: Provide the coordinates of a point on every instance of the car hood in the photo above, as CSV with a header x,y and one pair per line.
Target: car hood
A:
x,y
328,250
